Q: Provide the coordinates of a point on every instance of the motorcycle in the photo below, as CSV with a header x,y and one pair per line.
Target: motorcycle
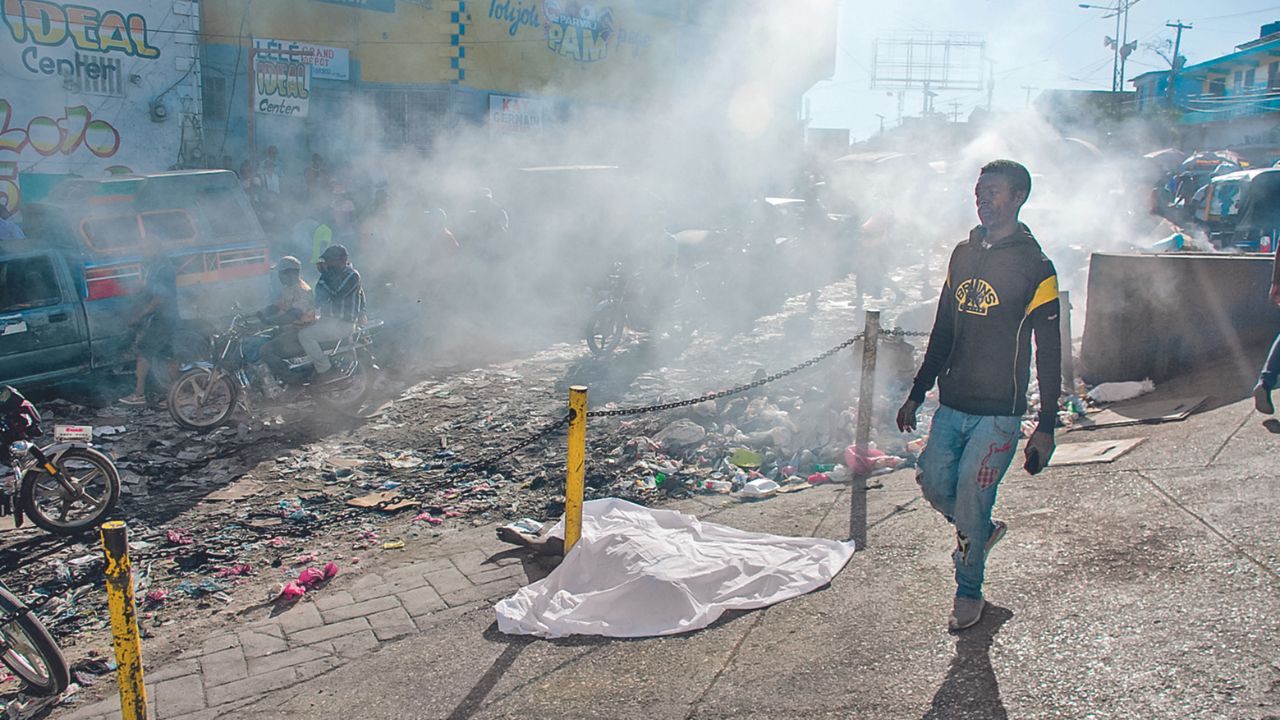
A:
x,y
627,304
206,393
27,649
65,488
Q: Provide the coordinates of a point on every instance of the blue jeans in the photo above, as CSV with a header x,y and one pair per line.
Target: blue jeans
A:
x,y
1271,370
962,465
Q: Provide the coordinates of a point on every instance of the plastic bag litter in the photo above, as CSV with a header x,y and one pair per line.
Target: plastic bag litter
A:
x,y
1117,391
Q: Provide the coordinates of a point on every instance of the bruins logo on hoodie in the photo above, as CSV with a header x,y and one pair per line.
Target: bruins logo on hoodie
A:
x,y
976,297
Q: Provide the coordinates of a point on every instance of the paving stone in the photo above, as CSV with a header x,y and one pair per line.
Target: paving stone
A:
x,y
422,601
302,616
180,696
223,667
356,644
95,710
333,599
493,574
360,609
219,642
270,627
296,656
315,668
487,591
391,624
417,569
447,581
329,632
425,622
251,687
210,714
255,644
171,669
470,561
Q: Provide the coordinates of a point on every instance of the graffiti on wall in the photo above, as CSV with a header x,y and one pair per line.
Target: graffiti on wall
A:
x,y
50,24
77,130
573,30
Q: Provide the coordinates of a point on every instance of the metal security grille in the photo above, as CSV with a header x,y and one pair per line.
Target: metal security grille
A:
x,y
110,81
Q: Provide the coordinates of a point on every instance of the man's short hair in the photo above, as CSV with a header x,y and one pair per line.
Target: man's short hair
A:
x,y
1019,178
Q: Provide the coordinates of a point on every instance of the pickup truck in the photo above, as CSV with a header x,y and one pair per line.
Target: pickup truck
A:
x,y
69,290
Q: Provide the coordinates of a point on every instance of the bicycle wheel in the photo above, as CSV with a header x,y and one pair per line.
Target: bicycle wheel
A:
x,y
28,651
54,508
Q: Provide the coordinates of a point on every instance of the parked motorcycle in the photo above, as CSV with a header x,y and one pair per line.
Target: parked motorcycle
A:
x,y
671,304
27,649
66,487
207,393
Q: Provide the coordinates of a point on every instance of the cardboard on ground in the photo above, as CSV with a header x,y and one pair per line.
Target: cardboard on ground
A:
x,y
1092,452
1150,411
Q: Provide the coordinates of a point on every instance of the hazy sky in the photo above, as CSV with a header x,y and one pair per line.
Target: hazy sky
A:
x,y
1036,43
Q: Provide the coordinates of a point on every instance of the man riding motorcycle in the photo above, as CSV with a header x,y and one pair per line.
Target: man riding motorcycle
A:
x,y
340,306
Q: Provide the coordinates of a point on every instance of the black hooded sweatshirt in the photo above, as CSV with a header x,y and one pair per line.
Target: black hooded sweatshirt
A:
x,y
995,296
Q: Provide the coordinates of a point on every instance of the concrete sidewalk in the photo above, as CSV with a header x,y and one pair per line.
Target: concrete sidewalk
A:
x,y
1149,588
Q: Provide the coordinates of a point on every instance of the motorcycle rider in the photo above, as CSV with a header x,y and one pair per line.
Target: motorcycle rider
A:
x,y
339,306
19,420
294,308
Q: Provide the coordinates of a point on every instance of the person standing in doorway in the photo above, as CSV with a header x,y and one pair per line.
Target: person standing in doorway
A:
x,y
1000,290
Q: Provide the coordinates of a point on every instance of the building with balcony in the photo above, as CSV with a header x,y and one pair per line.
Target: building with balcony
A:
x,y
1231,101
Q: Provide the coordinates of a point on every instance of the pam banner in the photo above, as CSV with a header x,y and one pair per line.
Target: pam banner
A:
x,y
327,63
282,85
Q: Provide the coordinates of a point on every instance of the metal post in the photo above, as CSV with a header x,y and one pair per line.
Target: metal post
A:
x,y
1068,353
862,440
576,466
124,621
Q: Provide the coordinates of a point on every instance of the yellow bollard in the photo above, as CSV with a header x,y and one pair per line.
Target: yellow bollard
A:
x,y
576,466
124,621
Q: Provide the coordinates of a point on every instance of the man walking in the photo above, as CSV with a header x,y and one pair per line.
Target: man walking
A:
x,y
1000,289
339,305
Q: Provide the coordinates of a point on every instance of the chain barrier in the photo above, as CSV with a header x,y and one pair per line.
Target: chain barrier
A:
x,y
621,412
899,332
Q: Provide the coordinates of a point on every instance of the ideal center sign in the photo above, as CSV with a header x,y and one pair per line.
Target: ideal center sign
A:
x,y
282,85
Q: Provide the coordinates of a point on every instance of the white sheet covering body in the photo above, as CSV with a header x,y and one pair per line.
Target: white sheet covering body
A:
x,y
639,572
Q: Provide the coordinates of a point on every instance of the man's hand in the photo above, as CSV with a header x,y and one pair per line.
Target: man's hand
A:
x,y
907,415
1275,295
1042,443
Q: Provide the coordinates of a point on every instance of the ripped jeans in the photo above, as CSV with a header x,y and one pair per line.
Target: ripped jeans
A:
x,y
961,467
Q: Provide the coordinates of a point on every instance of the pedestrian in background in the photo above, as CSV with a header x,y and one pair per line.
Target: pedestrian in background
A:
x,y
1271,369
1000,290
155,323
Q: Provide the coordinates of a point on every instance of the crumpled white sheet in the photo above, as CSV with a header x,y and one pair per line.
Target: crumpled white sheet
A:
x,y
640,572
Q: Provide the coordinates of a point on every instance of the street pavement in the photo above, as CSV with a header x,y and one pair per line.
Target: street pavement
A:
x,y
1147,588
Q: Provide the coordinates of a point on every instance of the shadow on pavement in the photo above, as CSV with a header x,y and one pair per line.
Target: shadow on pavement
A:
x,y
476,696
970,689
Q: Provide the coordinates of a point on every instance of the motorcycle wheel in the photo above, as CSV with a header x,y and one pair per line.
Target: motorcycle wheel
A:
x,y
48,504
350,394
187,408
605,330
29,651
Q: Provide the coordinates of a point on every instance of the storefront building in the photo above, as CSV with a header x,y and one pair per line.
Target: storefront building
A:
x,y
91,90
328,76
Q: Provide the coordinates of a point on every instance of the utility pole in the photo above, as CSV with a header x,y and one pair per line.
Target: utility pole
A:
x,y
955,111
991,82
1125,48
1173,64
1029,88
